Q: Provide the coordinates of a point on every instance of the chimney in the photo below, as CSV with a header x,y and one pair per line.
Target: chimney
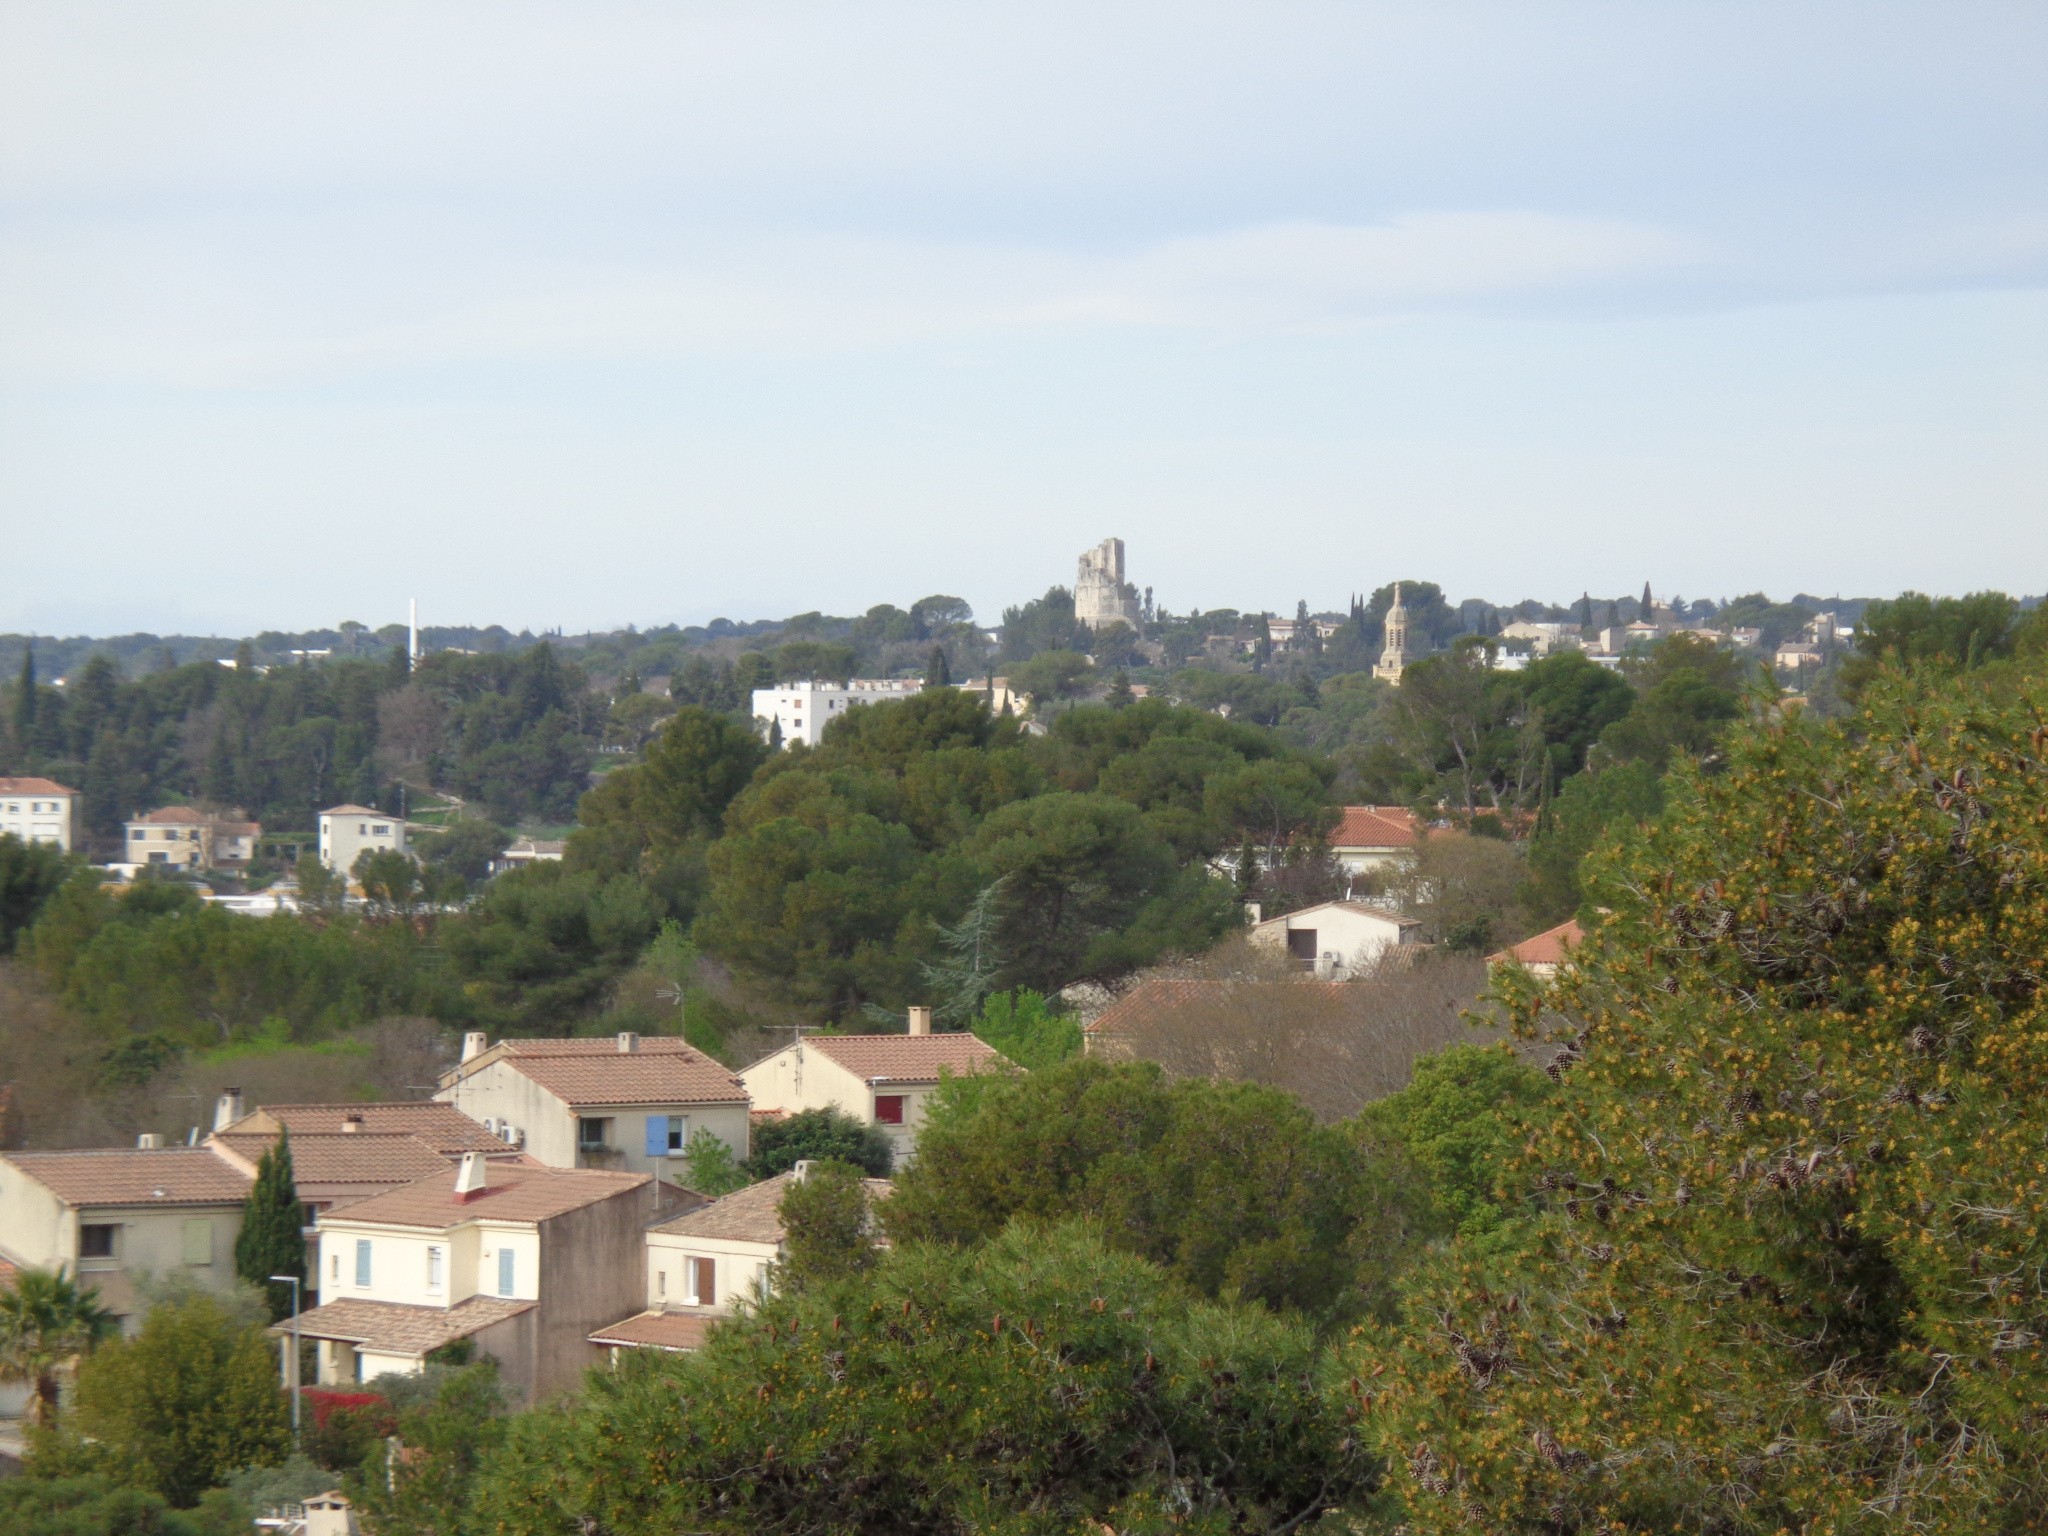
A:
x,y
227,1109
802,1169
350,1124
472,1177
628,1042
920,1021
149,1141
473,1044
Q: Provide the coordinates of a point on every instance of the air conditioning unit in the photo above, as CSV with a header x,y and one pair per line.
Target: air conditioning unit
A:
x,y
491,1124
511,1135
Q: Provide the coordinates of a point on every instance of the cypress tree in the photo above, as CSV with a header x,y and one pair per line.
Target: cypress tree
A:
x,y
272,1240
25,700
937,673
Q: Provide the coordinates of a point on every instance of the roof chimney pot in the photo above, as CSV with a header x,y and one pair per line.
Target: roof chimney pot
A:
x,y
920,1021
227,1109
473,1044
472,1177
351,1123
629,1042
149,1141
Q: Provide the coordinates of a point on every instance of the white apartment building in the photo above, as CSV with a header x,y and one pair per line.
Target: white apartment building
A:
x,y
347,832
803,710
39,811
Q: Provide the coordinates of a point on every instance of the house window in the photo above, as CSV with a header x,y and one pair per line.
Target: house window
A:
x,y
593,1133
700,1276
661,1282
97,1241
434,1256
889,1108
507,1259
1301,944
362,1261
139,834
667,1135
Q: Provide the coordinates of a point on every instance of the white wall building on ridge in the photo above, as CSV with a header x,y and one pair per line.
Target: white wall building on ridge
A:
x,y
803,710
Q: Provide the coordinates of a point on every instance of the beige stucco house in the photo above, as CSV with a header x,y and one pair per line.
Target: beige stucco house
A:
x,y
520,1260
185,838
703,1264
882,1080
1336,939
347,832
112,1215
627,1102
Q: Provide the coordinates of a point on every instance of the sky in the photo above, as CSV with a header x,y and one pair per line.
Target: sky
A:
x,y
592,313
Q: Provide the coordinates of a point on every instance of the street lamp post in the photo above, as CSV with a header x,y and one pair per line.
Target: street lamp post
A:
x,y
292,1376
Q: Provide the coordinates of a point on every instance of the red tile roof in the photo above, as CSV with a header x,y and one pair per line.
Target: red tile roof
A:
x,y
1375,826
355,810
34,787
391,1327
905,1058
442,1126
134,1176
180,815
616,1079
513,1191
343,1165
1545,948
658,1330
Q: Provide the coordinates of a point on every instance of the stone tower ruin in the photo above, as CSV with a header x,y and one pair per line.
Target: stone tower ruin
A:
x,y
1101,595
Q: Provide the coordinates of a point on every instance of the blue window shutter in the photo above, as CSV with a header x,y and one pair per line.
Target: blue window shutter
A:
x,y
657,1135
505,1261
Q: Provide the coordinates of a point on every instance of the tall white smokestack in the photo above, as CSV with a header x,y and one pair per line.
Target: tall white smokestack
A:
x,y
412,637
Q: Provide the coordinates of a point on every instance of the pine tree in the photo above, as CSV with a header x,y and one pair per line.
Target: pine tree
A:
x,y
272,1240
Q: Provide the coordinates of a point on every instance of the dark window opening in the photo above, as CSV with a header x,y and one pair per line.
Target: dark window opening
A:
x,y
96,1242
1301,943
889,1108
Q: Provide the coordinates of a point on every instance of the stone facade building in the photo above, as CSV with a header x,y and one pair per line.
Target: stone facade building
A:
x,y
1101,595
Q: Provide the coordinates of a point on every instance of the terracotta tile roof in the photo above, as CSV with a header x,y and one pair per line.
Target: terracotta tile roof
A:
x,y
169,815
1545,948
1150,998
905,1058
328,1166
355,810
658,1330
442,1126
1375,826
7,1272
663,1070
133,1176
34,787
393,1328
514,1191
749,1215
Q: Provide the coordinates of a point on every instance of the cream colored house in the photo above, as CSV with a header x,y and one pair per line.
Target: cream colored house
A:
x,y
1336,939
347,832
112,1215
185,838
624,1101
521,1261
880,1080
703,1264
39,811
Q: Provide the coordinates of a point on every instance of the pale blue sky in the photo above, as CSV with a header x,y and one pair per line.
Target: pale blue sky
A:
x,y
597,312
